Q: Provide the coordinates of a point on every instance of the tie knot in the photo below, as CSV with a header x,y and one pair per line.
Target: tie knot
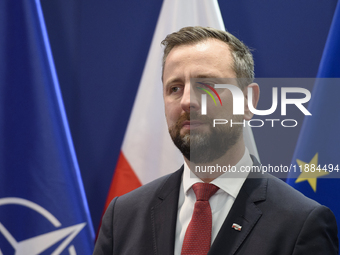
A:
x,y
204,191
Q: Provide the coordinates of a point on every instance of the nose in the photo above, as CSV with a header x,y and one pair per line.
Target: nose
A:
x,y
189,100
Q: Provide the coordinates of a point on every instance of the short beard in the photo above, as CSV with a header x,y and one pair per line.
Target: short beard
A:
x,y
200,147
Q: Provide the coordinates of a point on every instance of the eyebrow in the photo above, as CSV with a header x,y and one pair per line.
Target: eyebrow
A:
x,y
205,76
173,80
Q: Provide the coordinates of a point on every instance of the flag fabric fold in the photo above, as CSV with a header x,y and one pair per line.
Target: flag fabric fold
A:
x,y
43,208
318,145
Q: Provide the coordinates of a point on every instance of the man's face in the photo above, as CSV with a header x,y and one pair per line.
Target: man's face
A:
x,y
192,132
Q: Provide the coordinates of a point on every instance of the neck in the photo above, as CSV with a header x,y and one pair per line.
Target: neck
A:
x,y
229,159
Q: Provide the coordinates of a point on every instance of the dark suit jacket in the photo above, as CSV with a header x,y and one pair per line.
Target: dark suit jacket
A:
x,y
275,218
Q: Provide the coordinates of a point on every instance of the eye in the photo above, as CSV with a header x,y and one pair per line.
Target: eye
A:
x,y
174,89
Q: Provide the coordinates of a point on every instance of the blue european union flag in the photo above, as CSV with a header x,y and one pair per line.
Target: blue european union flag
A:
x,y
318,146
43,209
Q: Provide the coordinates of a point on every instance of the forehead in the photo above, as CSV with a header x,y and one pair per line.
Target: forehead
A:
x,y
211,57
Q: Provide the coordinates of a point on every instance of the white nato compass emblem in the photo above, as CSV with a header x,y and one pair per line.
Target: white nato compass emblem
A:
x,y
38,244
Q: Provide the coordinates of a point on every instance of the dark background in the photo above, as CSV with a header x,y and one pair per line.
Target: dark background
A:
x,y
100,48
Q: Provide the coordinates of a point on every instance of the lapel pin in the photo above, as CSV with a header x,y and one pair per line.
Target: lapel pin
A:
x,y
236,227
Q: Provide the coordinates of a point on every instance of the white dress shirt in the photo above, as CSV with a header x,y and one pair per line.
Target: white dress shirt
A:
x,y
220,203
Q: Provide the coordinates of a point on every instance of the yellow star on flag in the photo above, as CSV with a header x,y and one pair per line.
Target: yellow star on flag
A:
x,y
310,171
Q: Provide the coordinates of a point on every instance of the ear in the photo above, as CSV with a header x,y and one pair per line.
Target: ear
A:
x,y
255,95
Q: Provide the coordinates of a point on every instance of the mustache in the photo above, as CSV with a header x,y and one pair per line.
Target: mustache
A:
x,y
187,116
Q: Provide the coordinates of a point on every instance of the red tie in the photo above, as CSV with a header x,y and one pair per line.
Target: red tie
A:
x,y
197,238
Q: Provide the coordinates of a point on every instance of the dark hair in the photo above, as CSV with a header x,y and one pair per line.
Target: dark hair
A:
x,y
243,59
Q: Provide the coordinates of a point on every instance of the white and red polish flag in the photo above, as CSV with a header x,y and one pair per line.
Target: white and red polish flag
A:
x,y
148,152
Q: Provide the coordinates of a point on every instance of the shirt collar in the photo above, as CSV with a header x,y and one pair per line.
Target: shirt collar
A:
x,y
230,185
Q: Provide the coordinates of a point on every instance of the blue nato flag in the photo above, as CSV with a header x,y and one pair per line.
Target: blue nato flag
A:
x,y
317,153
43,208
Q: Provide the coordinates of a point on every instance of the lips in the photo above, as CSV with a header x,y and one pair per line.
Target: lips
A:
x,y
191,124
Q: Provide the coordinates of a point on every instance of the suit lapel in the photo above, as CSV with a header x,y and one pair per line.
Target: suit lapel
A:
x,y
164,214
244,212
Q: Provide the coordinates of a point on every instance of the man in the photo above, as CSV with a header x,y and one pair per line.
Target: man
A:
x,y
195,212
